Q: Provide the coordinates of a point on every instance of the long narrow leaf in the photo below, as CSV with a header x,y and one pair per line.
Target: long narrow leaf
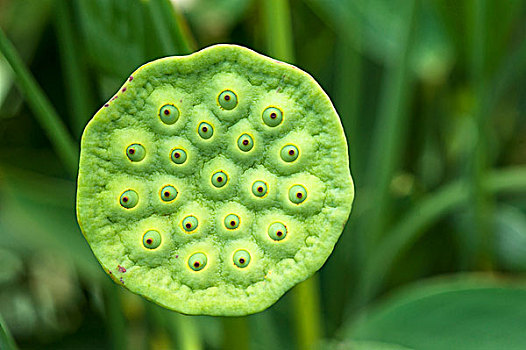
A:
x,y
46,115
6,340
76,79
426,213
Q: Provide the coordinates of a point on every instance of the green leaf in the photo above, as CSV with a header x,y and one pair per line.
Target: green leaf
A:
x,y
463,312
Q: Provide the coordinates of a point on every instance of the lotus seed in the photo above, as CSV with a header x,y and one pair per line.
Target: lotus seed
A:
x,y
135,152
190,223
245,142
227,99
197,261
231,221
129,199
259,188
168,193
272,116
297,194
169,114
219,179
241,258
289,153
151,239
277,231
205,130
178,156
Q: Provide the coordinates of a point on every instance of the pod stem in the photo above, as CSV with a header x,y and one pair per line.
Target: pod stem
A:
x,y
182,329
307,313
236,333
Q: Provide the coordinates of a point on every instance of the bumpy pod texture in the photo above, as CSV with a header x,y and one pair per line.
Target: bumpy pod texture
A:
x,y
213,183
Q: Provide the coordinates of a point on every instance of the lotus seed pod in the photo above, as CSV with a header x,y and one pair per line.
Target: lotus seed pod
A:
x,y
215,182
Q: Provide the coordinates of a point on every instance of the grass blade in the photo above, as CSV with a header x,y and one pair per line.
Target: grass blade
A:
x,y
390,130
426,213
171,31
481,211
6,340
46,115
76,77
178,28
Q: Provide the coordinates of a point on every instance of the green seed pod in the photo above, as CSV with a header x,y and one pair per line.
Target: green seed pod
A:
x,y
197,261
259,188
190,223
135,152
241,258
289,153
223,112
277,231
168,193
219,179
205,130
178,156
129,199
232,221
245,142
151,239
227,100
272,116
169,114
297,194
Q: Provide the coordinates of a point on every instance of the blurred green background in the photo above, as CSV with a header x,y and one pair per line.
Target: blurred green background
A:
x,y
432,96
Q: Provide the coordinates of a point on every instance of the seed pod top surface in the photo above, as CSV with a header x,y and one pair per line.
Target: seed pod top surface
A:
x,y
213,183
